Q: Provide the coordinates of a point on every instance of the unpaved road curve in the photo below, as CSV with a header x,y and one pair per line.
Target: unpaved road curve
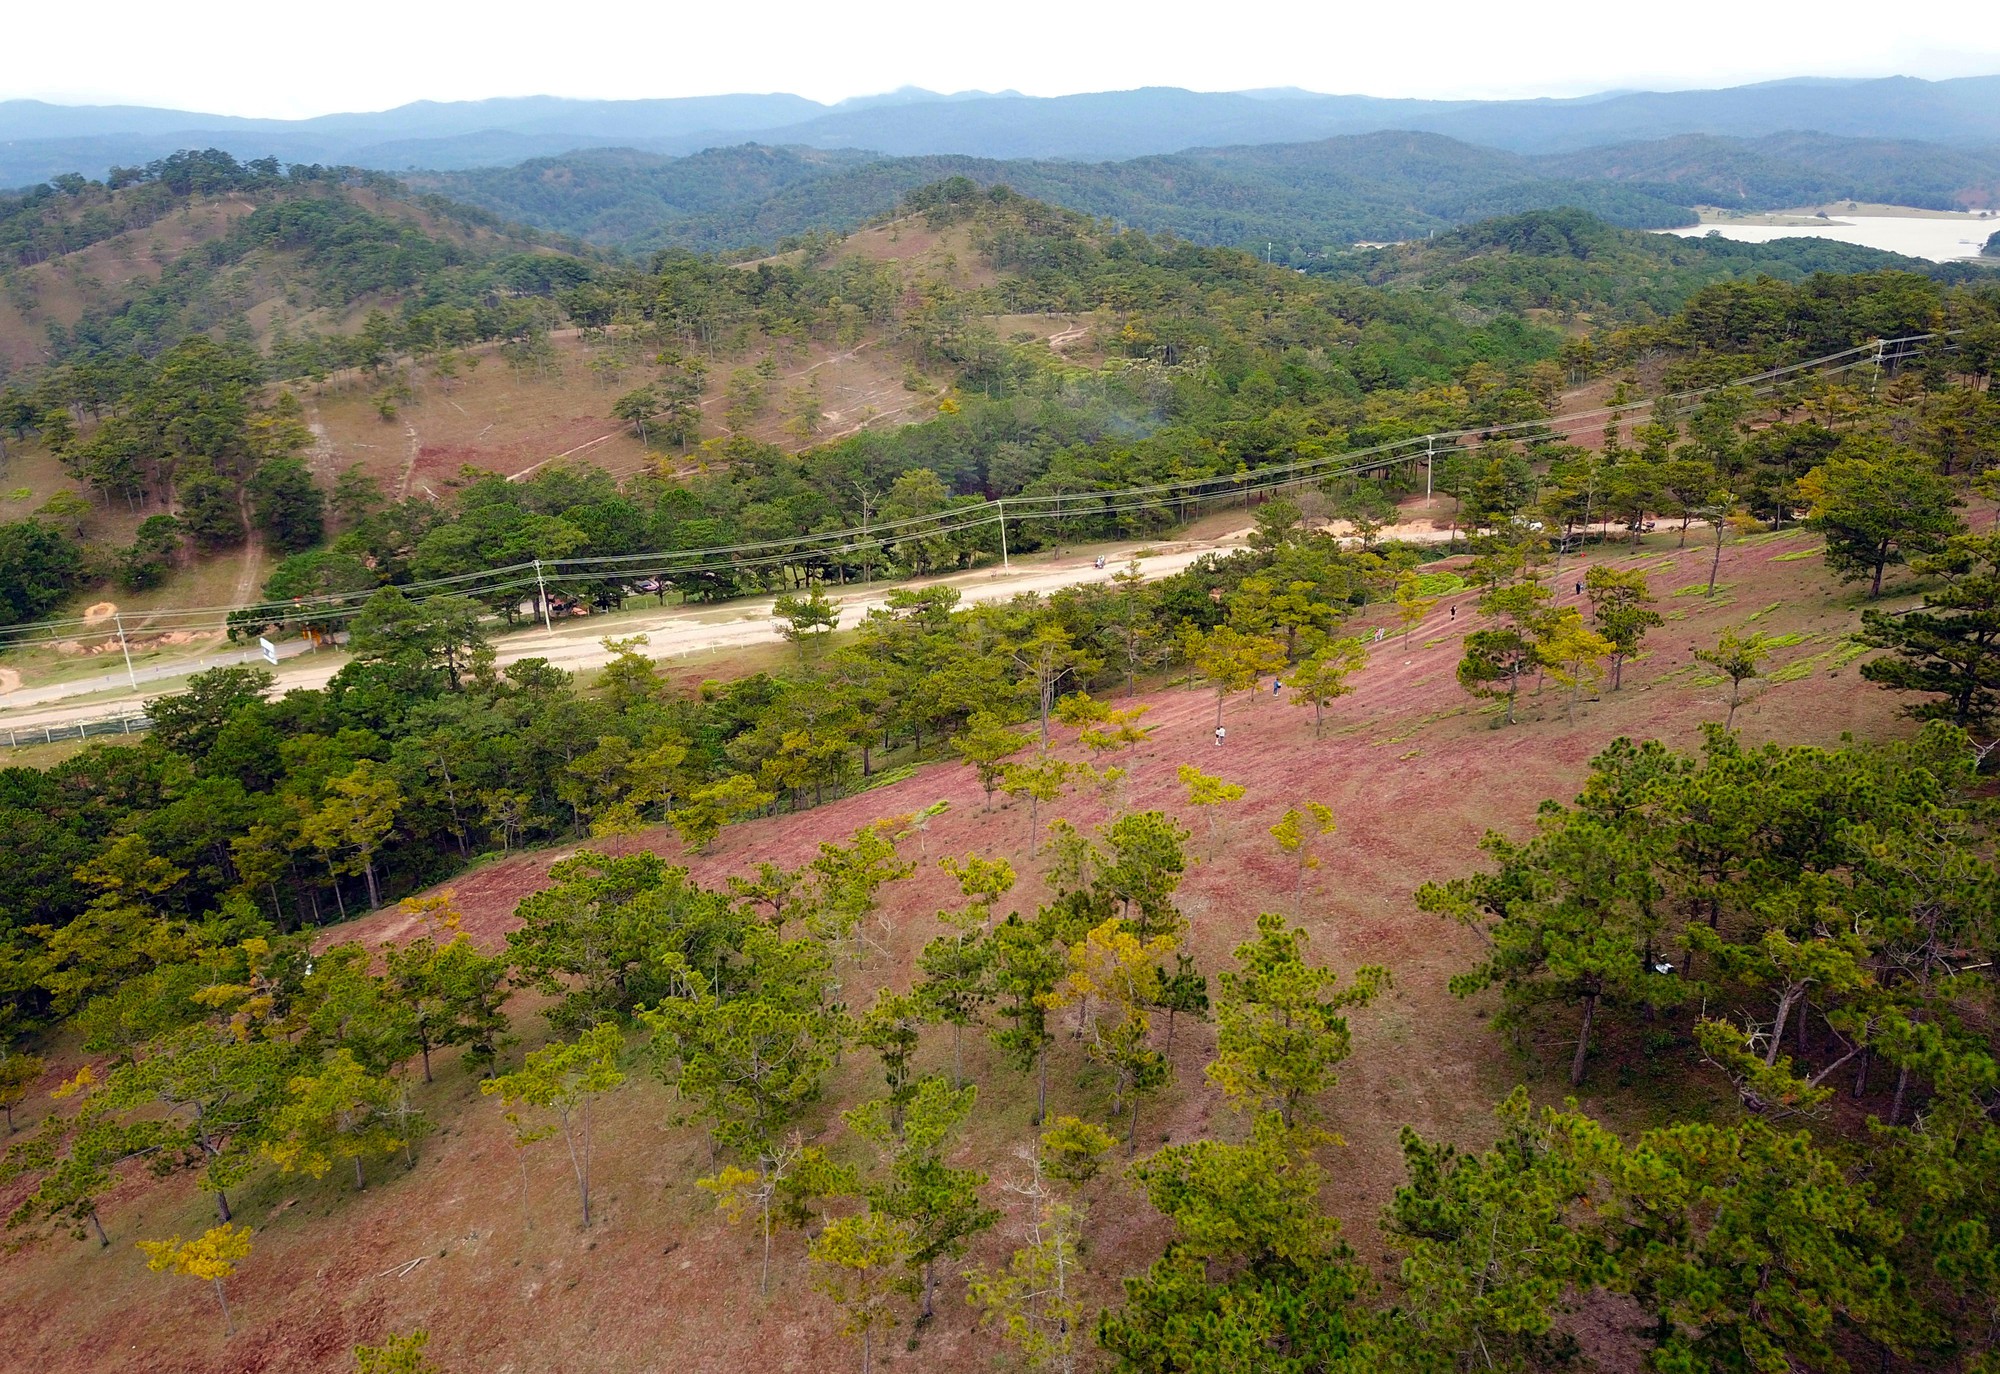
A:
x,y
680,631
674,631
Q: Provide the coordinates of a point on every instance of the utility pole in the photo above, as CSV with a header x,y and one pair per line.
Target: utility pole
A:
x,y
1430,458
542,593
1001,506
123,644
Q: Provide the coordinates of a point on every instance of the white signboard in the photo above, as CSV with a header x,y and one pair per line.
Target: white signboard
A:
x,y
270,649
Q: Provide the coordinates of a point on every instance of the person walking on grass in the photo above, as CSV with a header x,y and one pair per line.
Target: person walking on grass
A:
x,y
1220,735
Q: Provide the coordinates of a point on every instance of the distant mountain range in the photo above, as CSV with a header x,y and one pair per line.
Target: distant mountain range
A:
x,y
39,140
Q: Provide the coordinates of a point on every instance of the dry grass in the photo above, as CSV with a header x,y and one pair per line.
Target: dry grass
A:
x,y
1413,769
60,290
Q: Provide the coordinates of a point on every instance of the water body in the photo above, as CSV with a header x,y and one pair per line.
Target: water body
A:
x,y
1939,238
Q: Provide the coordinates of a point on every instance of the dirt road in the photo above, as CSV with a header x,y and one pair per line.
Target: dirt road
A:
x,y
674,631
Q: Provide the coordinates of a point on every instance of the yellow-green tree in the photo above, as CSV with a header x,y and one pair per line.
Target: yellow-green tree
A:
x,y
742,1193
1113,979
1101,728
1297,833
1208,792
861,1262
1738,658
1040,781
1621,611
213,1255
1232,661
1280,1023
1321,677
18,1074
1037,1299
1413,603
710,808
985,745
397,1355
352,822
341,1112
1073,1149
563,1080
1573,653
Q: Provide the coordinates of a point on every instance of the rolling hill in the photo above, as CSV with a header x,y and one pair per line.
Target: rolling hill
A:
x,y
1301,199
198,242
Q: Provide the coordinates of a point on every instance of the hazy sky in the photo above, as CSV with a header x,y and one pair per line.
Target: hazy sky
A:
x,y
287,60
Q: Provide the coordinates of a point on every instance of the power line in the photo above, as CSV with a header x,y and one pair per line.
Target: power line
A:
x,y
1018,509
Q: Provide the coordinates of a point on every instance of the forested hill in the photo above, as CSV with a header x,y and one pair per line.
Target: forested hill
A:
x,y
1792,169
1300,199
1578,268
1009,348
264,255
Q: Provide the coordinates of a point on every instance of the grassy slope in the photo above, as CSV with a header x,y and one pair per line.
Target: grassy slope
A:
x,y
504,419
105,276
1415,774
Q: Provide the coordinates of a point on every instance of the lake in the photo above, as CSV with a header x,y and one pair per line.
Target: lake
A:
x,y
1939,238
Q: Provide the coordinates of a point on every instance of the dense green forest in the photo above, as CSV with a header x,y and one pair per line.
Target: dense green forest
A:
x,y
1784,170
1578,267
1298,201
1202,353
1303,199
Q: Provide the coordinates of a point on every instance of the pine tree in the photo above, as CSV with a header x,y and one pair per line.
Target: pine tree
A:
x,y
1321,678
564,1079
1491,1248
939,1206
1568,918
1949,647
1027,962
1738,658
1036,1299
341,1111
1621,611
18,1075
1208,792
1297,833
746,1057
1113,979
402,1354
861,1262
1279,1024
1253,1265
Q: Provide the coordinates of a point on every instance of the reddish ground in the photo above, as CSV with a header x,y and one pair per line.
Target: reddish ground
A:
x,y
1413,769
